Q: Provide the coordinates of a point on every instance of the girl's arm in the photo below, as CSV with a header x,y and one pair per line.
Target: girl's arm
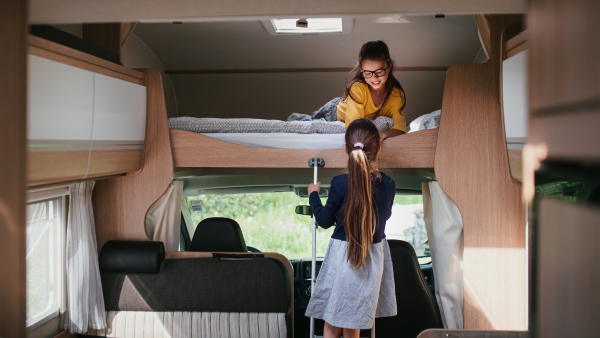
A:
x,y
325,215
355,105
399,126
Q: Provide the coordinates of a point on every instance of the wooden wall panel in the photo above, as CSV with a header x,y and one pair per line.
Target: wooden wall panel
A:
x,y
564,112
121,203
565,78
414,150
107,35
471,164
568,293
564,54
13,142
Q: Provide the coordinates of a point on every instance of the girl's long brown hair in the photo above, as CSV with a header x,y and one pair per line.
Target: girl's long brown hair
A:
x,y
376,51
360,214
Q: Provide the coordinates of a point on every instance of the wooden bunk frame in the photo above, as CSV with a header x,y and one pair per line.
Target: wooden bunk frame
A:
x,y
192,150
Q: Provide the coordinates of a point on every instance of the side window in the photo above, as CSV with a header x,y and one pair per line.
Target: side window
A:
x,y
45,232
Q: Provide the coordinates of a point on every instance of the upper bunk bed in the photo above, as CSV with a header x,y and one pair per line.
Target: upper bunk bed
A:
x,y
193,150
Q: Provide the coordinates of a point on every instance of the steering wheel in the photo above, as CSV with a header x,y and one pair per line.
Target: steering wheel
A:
x,y
252,249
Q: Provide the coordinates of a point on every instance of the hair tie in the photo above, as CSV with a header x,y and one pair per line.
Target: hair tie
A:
x,y
360,145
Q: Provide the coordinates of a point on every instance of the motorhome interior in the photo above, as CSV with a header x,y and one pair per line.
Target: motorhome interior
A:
x,y
153,185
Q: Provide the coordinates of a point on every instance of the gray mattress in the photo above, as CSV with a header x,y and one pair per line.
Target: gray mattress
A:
x,y
215,125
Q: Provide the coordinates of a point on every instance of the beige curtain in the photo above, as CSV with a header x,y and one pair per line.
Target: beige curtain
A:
x,y
164,216
445,234
85,302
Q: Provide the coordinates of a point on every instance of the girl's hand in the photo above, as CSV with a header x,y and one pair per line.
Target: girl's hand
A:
x,y
389,133
314,187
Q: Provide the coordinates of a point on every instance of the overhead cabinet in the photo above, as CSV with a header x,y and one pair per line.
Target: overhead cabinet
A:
x,y
74,113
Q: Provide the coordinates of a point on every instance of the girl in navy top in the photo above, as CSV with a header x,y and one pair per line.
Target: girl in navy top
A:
x,y
356,281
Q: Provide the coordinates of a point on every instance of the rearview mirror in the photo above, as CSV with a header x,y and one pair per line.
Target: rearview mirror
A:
x,y
304,210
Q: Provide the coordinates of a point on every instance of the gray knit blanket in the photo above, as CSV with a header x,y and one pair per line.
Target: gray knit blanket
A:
x,y
215,125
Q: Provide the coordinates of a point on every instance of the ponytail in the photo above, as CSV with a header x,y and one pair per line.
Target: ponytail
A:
x,y
362,142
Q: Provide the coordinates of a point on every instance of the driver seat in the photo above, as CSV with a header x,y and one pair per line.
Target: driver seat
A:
x,y
218,234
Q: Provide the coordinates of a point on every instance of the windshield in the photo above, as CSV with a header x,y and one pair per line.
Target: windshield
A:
x,y
269,222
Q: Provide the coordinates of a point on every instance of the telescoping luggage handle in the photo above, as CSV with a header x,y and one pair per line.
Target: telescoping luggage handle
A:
x,y
314,163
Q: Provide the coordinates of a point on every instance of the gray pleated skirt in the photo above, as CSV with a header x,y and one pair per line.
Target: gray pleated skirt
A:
x,y
349,298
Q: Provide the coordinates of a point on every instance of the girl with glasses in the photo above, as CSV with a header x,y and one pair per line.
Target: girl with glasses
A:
x,y
372,92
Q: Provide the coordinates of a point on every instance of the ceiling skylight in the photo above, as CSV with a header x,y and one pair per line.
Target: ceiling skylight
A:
x,y
315,26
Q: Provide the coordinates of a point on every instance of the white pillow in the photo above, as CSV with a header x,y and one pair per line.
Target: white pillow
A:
x,y
414,125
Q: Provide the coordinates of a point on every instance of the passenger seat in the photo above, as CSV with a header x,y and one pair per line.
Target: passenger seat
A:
x,y
218,234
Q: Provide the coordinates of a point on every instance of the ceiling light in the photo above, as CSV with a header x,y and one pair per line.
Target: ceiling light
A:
x,y
307,26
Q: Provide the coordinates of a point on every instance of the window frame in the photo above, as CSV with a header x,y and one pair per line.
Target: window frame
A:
x,y
37,196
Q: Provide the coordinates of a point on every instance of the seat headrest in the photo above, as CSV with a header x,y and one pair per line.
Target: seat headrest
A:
x,y
131,256
218,234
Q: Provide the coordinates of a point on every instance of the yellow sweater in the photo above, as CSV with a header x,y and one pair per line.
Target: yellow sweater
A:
x,y
362,106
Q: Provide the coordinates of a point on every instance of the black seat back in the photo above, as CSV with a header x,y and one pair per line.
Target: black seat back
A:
x,y
417,307
218,234
241,292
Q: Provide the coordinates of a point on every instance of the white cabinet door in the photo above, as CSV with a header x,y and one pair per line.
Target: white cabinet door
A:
x,y
119,114
60,106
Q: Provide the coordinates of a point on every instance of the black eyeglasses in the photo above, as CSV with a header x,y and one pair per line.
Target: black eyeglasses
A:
x,y
378,73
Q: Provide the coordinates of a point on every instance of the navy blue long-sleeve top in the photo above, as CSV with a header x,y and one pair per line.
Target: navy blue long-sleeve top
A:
x,y
333,211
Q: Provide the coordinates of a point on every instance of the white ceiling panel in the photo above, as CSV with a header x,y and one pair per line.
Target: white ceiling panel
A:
x,y
413,41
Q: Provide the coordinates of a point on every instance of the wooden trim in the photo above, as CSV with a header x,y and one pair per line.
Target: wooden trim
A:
x,y
121,203
64,166
414,150
13,150
273,255
472,167
63,183
515,163
515,45
53,51
108,162
56,166
483,29
126,31
442,333
289,70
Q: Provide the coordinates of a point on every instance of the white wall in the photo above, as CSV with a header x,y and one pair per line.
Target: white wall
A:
x,y
136,54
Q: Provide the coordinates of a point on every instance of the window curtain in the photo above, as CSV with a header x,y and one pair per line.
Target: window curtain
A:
x,y
85,302
164,217
444,225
